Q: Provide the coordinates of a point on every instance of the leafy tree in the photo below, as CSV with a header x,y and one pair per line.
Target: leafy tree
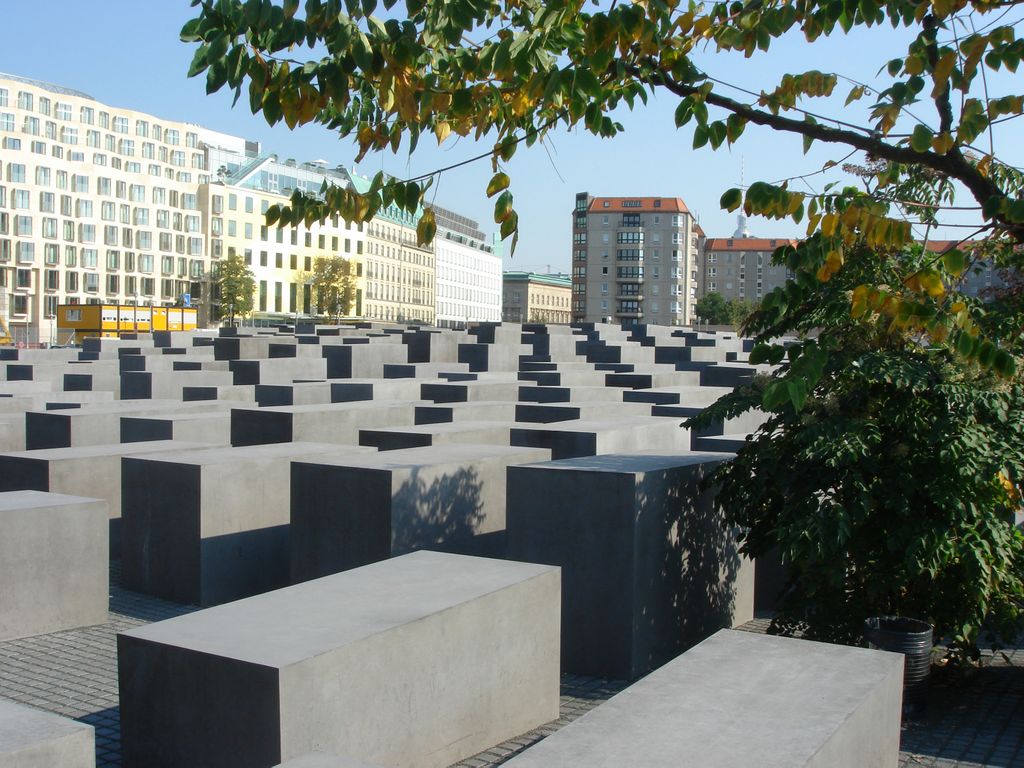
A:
x,y
740,310
890,367
333,284
713,309
889,489
236,285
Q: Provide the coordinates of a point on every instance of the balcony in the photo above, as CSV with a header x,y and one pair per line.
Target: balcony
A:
x,y
638,279
633,313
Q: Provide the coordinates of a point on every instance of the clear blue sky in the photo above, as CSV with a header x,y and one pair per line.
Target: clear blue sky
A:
x,y
127,53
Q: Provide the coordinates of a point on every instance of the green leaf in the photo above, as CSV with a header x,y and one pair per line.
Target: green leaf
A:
x,y
502,207
921,138
775,395
761,353
954,261
731,199
700,136
499,181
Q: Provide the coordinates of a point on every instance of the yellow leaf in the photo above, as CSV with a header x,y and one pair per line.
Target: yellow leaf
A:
x,y
943,69
942,143
442,130
834,261
824,274
828,224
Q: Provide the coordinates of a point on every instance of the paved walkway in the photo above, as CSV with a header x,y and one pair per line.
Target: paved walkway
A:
x,y
74,673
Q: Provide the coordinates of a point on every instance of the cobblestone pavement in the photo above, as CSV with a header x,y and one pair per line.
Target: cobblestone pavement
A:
x,y
979,722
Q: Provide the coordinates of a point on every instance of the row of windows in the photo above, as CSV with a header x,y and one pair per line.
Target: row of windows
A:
x,y
87,115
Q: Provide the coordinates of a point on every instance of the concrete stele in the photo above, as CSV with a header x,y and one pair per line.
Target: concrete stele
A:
x,y
418,662
743,699
31,738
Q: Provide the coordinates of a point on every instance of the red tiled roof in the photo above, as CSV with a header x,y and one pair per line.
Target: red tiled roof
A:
x,y
647,205
746,243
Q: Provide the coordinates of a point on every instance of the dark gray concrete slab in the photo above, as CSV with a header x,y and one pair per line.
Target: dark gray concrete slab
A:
x,y
207,526
648,569
741,699
346,512
590,437
415,662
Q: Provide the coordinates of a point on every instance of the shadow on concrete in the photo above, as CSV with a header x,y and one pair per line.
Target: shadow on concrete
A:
x,y
107,723
446,511
688,564
975,721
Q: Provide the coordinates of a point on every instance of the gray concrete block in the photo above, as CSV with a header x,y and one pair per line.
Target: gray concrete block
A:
x,y
573,439
31,738
211,428
419,436
741,699
346,512
93,471
53,563
208,526
334,423
419,661
97,424
324,760
647,568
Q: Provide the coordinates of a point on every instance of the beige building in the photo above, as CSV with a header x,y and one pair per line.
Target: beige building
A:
x,y
740,268
400,275
234,208
98,204
634,259
532,298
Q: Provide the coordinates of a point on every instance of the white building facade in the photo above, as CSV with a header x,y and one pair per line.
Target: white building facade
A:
x,y
469,273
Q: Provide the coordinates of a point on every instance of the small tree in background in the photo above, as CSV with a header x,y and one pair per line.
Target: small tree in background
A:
x,y
237,285
333,284
740,310
713,309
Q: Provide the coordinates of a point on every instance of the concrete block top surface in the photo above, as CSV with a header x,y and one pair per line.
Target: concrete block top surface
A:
x,y
444,427
17,500
324,760
350,405
22,726
623,421
290,625
457,454
110,449
738,698
253,453
634,463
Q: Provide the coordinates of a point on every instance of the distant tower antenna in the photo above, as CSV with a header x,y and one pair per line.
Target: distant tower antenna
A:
x,y
742,230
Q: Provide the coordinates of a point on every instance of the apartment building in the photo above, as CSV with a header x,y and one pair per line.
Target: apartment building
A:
x,y
740,268
98,204
529,297
399,273
469,281
634,259
281,258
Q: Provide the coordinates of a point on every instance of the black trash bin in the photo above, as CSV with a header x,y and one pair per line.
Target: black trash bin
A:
x,y
912,638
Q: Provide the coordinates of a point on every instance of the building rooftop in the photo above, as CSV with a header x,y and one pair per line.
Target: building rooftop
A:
x,y
746,243
638,204
60,89
558,280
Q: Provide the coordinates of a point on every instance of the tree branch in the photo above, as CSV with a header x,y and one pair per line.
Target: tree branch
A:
x,y
953,164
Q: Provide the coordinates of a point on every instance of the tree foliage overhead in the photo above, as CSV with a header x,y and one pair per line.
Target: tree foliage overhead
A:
x,y
237,285
512,71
